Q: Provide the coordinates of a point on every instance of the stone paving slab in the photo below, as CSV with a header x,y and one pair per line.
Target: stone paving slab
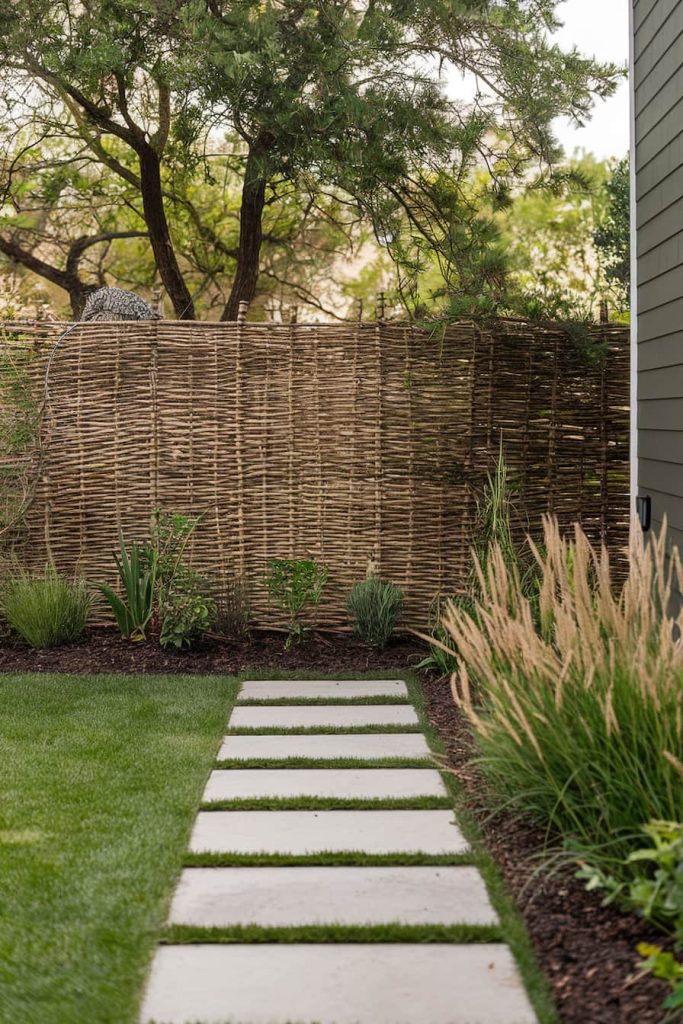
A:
x,y
266,689
309,716
361,783
335,984
302,832
286,896
363,746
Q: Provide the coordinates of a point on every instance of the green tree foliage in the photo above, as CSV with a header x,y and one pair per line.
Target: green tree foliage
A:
x,y
556,270
613,236
541,245
334,108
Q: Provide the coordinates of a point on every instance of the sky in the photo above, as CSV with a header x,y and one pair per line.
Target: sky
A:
x,y
598,28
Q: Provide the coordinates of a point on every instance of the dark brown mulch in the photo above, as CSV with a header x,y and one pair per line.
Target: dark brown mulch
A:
x,y
587,951
103,650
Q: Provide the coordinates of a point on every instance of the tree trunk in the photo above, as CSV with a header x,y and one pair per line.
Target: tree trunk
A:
x,y
160,237
78,296
251,235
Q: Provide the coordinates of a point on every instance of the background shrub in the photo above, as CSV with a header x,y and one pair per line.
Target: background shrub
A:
x,y
45,610
656,892
375,607
577,704
295,585
187,611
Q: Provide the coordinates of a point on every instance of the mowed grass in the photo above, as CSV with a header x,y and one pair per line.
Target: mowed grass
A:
x,y
100,782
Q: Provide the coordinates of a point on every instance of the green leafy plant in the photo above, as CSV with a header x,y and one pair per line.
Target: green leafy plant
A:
x,y
47,609
656,892
169,536
185,608
665,965
187,611
374,606
295,585
576,709
138,574
160,591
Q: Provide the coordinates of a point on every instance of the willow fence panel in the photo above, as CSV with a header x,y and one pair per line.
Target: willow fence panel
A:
x,y
355,444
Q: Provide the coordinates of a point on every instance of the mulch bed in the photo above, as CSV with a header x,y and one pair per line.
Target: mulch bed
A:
x,y
587,951
103,650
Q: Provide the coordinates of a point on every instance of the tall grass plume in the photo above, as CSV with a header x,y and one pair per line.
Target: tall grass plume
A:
x,y
575,692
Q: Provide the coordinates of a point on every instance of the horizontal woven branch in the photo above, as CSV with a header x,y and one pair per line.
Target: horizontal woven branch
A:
x,y
353,444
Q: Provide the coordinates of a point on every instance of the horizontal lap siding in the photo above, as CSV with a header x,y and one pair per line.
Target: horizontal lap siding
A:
x,y
658,87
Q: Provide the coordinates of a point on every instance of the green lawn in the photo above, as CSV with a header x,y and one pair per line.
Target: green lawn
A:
x,y
100,780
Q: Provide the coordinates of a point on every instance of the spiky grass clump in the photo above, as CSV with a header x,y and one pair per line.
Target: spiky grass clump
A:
x,y
577,699
375,607
45,610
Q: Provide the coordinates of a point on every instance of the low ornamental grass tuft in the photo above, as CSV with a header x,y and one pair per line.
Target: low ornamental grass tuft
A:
x,y
375,607
575,692
47,609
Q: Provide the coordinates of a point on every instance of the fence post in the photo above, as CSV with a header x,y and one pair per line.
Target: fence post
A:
x,y
158,302
154,412
242,312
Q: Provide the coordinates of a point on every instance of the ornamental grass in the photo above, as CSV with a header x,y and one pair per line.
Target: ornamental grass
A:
x,y
575,691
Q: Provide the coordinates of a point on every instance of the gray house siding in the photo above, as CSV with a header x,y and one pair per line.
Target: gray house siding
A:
x,y
657,91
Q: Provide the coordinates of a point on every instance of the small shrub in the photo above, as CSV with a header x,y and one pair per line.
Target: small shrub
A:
x,y
666,966
161,592
184,607
187,611
374,606
577,709
138,574
656,892
45,610
295,585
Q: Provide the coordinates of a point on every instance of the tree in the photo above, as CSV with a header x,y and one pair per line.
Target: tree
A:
x,y
536,255
612,238
337,101
58,214
555,270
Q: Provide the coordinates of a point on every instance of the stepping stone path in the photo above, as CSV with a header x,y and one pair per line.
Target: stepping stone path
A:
x,y
263,982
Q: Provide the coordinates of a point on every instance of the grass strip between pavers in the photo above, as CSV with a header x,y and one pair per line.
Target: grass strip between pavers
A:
x,y
287,702
329,803
325,762
392,931
326,858
321,730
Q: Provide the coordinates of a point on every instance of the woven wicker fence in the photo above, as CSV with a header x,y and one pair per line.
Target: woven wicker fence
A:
x,y
349,444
